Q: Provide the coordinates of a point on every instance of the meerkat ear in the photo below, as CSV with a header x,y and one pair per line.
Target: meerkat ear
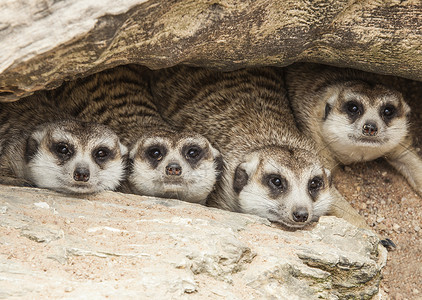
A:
x,y
219,165
329,177
214,151
134,149
331,95
243,172
123,149
406,108
218,160
31,148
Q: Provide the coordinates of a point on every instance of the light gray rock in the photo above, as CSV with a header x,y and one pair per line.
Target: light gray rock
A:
x,y
120,245
44,42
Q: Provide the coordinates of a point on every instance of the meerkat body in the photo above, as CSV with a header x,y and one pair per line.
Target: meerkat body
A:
x,y
353,117
41,147
270,169
164,162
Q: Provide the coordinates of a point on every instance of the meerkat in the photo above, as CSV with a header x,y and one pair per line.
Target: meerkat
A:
x,y
271,170
353,117
38,149
164,162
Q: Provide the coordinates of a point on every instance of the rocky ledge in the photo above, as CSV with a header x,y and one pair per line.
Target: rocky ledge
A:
x,y
120,245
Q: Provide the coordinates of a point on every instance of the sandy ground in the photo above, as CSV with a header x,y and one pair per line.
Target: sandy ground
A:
x,y
394,211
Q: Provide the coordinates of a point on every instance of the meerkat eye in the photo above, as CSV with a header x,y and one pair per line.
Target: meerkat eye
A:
x,y
352,108
193,152
388,111
63,149
277,182
101,153
155,153
315,184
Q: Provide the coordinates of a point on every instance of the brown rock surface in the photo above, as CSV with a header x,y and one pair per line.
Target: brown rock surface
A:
x,y
51,41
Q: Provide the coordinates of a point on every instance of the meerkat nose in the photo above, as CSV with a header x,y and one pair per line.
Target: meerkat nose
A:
x,y
173,169
300,215
81,174
370,129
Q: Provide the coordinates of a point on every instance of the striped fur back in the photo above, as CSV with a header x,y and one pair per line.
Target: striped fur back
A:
x,y
118,97
243,108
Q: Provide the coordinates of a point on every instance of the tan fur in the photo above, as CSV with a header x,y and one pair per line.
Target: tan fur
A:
x,y
340,135
121,98
246,116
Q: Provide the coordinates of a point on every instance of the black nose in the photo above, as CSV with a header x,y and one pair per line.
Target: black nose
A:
x,y
300,215
174,169
370,129
81,174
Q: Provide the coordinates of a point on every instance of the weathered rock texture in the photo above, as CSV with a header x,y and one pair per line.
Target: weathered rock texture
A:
x,y
120,245
45,42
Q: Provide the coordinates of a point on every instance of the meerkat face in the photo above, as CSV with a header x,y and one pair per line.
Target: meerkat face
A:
x,y
179,166
75,157
363,122
287,186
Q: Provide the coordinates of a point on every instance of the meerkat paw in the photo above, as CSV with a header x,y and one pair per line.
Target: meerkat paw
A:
x,y
409,164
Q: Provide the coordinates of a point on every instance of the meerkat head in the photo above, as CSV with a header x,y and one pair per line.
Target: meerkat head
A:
x,y
181,166
75,157
285,185
363,121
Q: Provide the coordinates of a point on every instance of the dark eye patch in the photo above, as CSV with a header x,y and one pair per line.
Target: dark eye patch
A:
x,y
276,183
154,154
193,154
62,150
102,155
388,112
315,185
353,109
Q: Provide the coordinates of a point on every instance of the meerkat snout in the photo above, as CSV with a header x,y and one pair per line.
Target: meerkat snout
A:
x,y
81,174
173,169
370,129
300,214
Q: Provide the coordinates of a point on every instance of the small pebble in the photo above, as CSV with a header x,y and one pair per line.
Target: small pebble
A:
x,y
68,289
396,227
42,205
383,174
415,292
3,209
382,227
380,219
417,228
